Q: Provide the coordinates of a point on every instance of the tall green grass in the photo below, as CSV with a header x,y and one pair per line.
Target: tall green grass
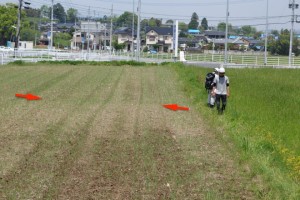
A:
x,y
262,119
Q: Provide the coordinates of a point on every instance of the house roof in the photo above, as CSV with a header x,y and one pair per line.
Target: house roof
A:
x,y
160,30
230,41
219,33
251,40
67,25
196,39
124,30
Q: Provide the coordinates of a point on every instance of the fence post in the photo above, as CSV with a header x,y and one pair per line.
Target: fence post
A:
x,y
2,59
278,61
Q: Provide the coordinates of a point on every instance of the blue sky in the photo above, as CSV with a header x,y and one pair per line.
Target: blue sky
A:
x,y
242,12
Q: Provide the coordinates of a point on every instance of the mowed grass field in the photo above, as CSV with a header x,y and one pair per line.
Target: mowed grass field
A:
x,y
101,132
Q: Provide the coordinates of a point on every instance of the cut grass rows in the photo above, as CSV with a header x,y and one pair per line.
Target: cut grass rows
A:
x,y
56,137
101,132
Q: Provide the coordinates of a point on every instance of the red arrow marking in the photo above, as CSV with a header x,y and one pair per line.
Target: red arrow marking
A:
x,y
21,95
175,107
29,97
32,97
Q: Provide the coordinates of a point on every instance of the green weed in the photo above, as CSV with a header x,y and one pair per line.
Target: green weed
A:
x,y
262,118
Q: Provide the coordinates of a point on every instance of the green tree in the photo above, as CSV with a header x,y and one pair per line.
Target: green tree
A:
x,y
144,24
281,46
248,30
125,20
72,14
169,22
275,32
204,24
29,34
257,34
62,39
59,12
45,11
32,12
8,18
183,27
194,23
222,27
153,22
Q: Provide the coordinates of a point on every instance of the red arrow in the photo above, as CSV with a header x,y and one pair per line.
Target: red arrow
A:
x,y
29,97
175,107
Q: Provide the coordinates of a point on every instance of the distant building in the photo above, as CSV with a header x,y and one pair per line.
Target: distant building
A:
x,y
25,44
94,34
160,36
214,34
124,35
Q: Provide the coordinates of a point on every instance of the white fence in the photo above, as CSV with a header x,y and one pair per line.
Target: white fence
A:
x,y
234,60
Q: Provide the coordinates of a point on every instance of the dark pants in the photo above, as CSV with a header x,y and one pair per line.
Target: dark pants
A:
x,y
224,100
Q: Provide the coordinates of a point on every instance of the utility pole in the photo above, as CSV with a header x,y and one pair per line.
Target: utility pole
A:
x,y
111,29
266,34
293,6
51,36
88,33
75,35
133,14
138,32
226,33
19,24
175,39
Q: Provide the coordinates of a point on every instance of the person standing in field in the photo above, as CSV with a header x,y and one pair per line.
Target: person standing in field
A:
x,y
221,90
209,86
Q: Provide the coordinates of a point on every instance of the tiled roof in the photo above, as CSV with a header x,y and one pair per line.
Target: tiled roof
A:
x,y
161,30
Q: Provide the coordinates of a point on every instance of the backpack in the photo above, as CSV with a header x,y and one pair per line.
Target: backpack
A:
x,y
209,80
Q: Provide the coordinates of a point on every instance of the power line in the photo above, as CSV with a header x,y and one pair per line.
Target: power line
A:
x,y
83,11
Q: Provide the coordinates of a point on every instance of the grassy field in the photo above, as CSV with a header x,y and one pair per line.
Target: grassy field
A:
x,y
101,132
262,118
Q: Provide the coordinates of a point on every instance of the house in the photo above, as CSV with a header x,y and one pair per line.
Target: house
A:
x,y
220,43
94,34
252,43
214,34
192,44
65,27
125,37
161,37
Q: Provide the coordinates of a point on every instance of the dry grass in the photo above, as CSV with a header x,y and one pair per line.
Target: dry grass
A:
x,y
102,133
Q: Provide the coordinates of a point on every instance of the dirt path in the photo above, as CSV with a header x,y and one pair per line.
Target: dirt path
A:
x,y
118,142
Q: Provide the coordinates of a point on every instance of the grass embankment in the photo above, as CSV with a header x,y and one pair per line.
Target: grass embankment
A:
x,y
262,118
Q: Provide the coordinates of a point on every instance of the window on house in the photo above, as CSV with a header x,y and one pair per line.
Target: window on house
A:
x,y
151,38
166,37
